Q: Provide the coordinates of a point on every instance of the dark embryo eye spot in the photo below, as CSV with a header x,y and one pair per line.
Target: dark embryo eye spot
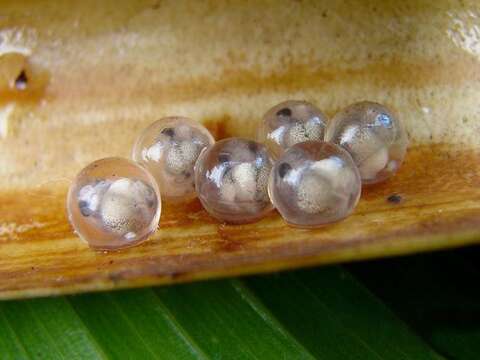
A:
x,y
283,169
222,158
168,131
284,112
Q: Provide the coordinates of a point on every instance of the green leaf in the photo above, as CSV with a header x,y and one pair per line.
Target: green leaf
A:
x,y
437,295
334,315
228,321
10,344
136,323
45,329
321,313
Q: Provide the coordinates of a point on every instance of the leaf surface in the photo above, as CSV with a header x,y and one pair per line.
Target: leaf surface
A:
x,y
90,81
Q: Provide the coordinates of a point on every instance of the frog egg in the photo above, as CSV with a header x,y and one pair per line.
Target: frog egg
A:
x,y
231,179
169,148
114,203
289,123
314,183
374,137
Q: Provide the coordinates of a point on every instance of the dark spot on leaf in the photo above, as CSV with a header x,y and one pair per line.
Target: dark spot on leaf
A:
x,y
284,112
395,199
168,131
21,81
115,277
177,274
283,169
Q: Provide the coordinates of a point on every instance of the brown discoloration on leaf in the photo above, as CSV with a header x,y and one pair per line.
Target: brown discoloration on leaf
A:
x,y
395,199
443,210
217,126
89,98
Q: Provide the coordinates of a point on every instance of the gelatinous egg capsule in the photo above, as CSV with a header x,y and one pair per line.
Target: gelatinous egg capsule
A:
x,y
113,203
231,180
374,137
289,123
314,183
169,148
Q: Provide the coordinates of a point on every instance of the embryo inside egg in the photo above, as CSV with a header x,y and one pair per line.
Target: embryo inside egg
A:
x,y
169,148
231,180
114,203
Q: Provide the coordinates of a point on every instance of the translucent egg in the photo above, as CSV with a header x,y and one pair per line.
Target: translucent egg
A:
x,y
374,137
231,180
113,203
314,183
289,123
169,148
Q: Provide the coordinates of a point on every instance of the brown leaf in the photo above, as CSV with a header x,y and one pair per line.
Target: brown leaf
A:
x,y
96,78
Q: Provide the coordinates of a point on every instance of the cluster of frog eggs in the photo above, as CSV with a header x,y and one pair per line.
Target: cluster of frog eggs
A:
x,y
308,168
